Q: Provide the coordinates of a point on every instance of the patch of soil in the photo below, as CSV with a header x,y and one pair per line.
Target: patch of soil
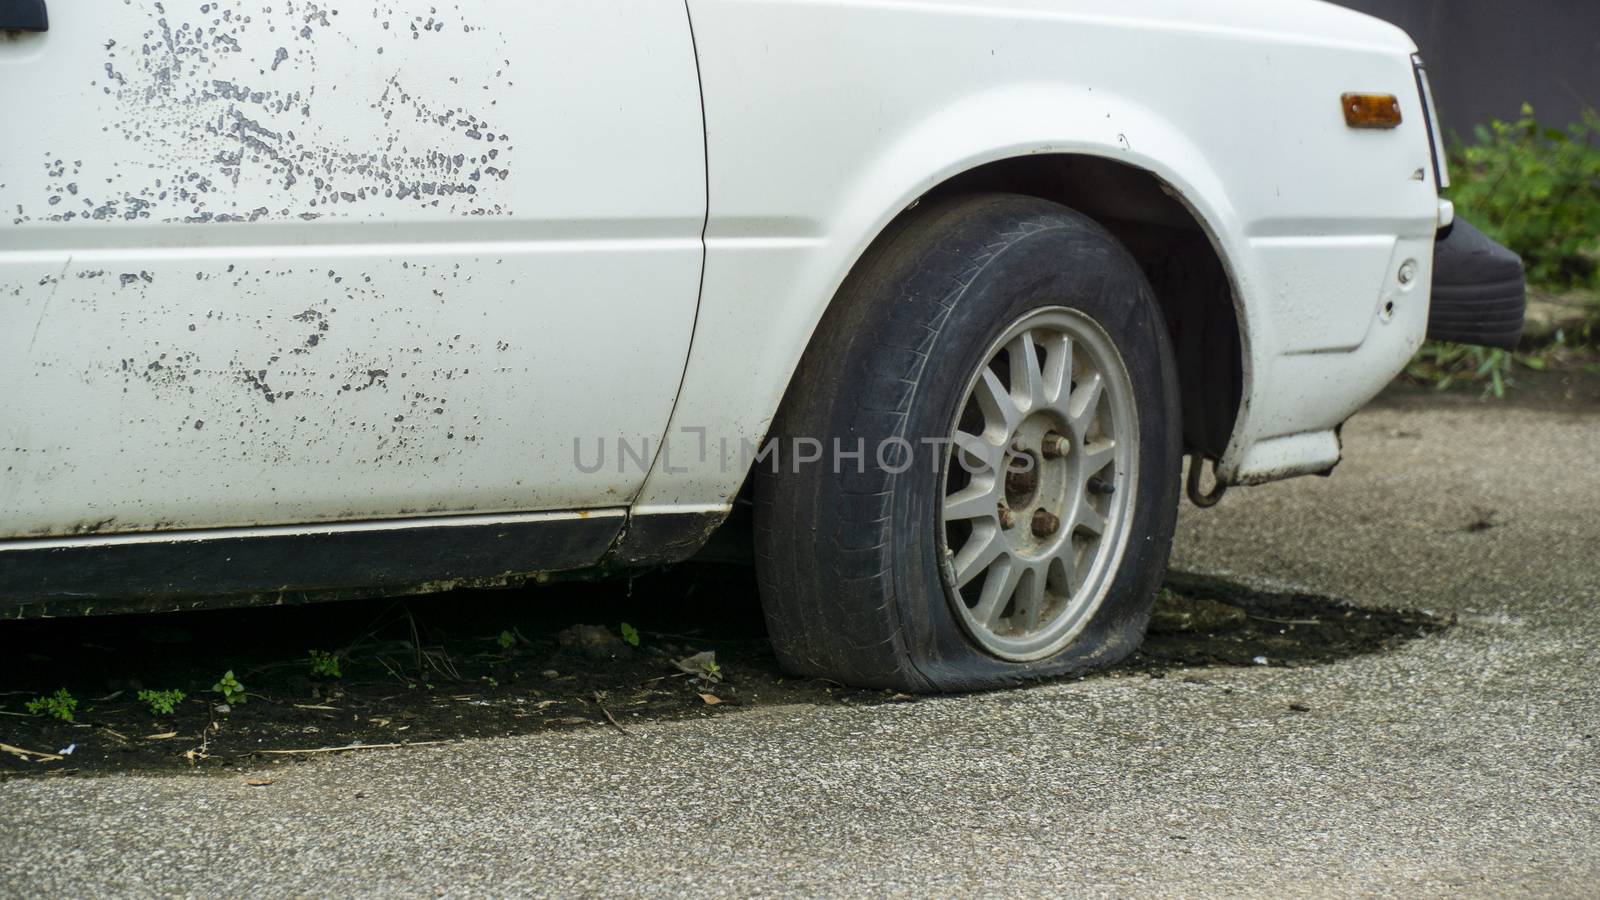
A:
x,y
492,663
1201,621
1570,384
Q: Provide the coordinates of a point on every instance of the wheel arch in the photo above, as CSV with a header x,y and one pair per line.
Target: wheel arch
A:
x,y
1132,171
1174,246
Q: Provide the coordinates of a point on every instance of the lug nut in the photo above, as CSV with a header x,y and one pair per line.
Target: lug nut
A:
x,y
1008,519
1055,445
1045,523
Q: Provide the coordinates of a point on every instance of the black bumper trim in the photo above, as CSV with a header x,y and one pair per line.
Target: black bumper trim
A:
x,y
1480,293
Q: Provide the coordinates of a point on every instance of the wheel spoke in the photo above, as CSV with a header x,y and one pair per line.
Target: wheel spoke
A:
x,y
1097,456
1065,563
1085,400
980,551
1030,599
978,500
1027,379
984,456
1000,412
998,587
1087,518
1057,368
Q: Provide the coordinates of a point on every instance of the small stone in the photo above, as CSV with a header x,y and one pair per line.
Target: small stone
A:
x,y
592,641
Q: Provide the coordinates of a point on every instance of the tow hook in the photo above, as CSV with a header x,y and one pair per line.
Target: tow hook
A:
x,y
1204,500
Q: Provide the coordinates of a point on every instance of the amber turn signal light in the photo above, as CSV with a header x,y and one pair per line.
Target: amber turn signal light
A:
x,y
1371,110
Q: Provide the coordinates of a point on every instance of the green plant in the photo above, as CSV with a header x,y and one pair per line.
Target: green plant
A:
x,y
59,705
630,634
325,664
229,687
1443,365
1536,190
507,640
161,703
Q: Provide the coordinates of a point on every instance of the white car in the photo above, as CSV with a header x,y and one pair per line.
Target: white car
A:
x,y
301,300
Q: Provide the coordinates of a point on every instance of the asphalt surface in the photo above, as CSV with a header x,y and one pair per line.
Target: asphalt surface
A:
x,y
1467,762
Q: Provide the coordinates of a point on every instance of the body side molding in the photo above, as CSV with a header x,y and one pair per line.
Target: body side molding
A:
x,y
249,566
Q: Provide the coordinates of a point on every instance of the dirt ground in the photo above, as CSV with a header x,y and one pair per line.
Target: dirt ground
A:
x,y
498,663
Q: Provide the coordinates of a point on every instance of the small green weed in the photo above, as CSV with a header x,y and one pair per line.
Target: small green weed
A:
x,y
630,634
59,705
161,703
325,664
507,640
229,687
1444,365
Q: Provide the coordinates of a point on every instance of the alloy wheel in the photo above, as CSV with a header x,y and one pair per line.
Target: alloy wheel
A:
x,y
1039,483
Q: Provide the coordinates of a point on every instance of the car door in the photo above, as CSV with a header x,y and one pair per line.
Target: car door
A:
x,y
282,261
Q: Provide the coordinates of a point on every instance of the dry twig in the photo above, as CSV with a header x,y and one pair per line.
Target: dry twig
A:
x,y
350,747
609,717
24,755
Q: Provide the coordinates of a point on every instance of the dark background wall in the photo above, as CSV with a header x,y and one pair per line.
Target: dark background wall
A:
x,y
1487,57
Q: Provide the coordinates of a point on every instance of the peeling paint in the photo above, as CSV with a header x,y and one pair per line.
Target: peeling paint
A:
x,y
179,90
348,347
415,418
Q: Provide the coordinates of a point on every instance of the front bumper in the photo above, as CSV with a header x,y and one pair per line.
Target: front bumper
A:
x,y
1479,290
